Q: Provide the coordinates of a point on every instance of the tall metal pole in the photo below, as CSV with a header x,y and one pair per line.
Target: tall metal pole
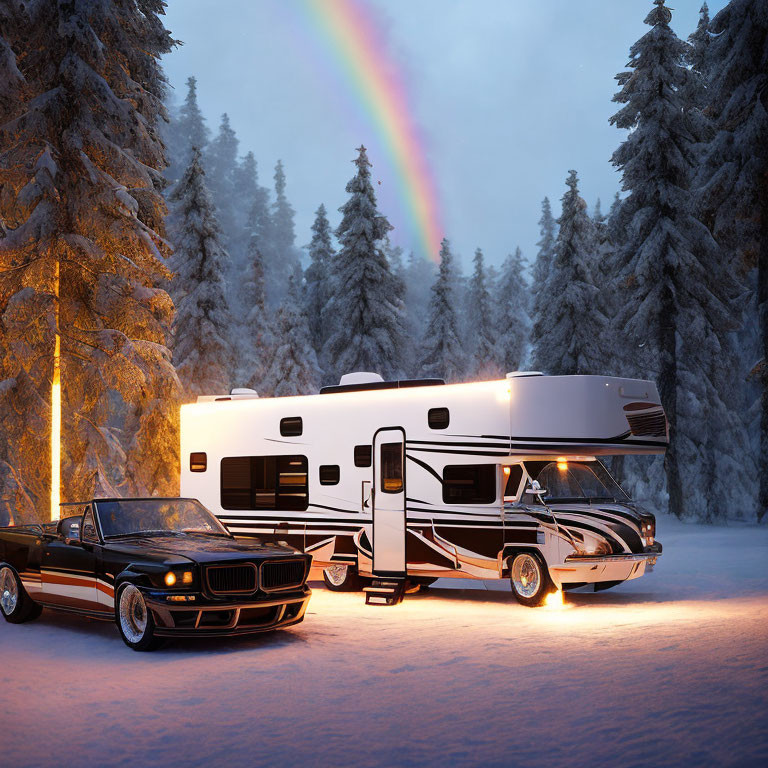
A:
x,y
56,403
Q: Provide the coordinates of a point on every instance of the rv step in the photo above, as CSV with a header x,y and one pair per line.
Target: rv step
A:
x,y
384,592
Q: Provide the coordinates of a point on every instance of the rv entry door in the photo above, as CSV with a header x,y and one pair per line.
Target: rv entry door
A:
x,y
389,502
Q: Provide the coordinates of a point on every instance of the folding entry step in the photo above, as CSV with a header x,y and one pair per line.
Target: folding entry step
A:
x,y
388,591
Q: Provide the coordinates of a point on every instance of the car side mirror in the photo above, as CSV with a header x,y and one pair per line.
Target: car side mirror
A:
x,y
536,489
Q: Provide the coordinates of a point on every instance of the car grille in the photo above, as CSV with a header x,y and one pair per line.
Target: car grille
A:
x,y
282,574
231,579
652,424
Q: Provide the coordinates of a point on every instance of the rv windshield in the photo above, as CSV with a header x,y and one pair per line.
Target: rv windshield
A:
x,y
575,481
127,517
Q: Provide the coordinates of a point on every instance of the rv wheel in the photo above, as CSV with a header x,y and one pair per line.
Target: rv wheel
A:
x,y
530,579
340,577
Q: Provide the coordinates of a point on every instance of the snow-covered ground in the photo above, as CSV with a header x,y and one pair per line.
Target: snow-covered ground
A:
x,y
671,669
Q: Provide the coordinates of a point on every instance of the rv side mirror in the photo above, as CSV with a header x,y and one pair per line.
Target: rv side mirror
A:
x,y
536,489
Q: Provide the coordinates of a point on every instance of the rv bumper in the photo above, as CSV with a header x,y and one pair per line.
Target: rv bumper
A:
x,y
586,569
225,619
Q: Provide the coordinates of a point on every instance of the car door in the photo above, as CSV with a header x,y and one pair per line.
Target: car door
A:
x,y
68,570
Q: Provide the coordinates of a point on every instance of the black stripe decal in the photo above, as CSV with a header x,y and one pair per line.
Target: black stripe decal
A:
x,y
424,465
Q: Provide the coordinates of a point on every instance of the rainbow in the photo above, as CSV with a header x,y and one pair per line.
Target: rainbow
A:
x,y
354,42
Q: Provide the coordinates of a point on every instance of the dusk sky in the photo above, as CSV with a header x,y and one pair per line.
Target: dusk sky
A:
x,y
506,95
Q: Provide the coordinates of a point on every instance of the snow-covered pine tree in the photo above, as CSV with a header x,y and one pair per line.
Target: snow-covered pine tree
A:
x,y
293,369
202,352
541,267
368,315
512,304
695,97
441,354
479,332
82,249
317,290
419,275
187,129
678,294
258,338
733,199
221,167
569,329
281,256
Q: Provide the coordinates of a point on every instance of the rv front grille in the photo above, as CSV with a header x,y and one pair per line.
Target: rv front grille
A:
x,y
231,579
651,424
282,574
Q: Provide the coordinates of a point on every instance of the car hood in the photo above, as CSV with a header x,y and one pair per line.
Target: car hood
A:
x,y
200,549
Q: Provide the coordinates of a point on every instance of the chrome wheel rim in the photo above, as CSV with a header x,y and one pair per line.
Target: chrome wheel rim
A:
x,y
9,591
526,575
133,614
336,574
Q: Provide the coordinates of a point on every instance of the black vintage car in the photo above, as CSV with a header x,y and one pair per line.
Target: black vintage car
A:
x,y
157,567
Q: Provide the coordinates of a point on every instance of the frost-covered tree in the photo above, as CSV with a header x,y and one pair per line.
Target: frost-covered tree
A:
x,y
202,352
368,316
479,332
257,345
221,179
441,353
541,267
694,95
418,276
733,199
281,257
678,295
187,129
569,330
317,290
512,302
81,256
293,369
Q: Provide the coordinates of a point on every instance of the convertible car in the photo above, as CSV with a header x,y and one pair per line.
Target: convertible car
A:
x,y
157,567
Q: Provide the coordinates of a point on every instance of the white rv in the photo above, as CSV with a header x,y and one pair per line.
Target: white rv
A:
x,y
395,483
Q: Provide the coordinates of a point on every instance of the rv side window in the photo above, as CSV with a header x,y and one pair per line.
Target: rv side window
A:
x,y
514,477
469,484
291,427
438,418
329,474
198,462
392,467
264,482
362,455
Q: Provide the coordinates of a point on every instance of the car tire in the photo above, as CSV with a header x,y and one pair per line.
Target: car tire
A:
x,y
530,579
15,603
134,619
341,577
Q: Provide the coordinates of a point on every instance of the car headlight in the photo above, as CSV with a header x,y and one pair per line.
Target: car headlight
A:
x,y
172,578
648,531
593,546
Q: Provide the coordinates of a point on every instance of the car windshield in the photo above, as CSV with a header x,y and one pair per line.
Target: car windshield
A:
x,y
576,481
125,517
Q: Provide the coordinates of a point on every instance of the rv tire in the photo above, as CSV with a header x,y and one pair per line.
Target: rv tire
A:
x,y
343,578
529,577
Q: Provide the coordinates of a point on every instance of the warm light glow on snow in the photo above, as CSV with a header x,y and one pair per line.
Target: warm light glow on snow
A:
x,y
555,600
55,446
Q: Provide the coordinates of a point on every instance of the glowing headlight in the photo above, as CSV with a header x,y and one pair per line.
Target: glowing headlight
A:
x,y
647,531
170,579
593,546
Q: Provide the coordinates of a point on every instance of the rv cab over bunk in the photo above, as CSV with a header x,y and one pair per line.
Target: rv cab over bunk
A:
x,y
416,480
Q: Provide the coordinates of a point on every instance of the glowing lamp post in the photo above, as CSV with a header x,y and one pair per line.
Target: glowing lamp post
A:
x,y
56,405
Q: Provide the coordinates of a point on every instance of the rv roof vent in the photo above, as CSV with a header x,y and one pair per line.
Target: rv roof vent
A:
x,y
520,374
244,392
359,377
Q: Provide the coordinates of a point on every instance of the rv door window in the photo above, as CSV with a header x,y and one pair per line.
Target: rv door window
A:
x,y
264,482
392,467
363,455
469,484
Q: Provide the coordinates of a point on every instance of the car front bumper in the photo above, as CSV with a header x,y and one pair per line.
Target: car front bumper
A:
x,y
204,618
587,569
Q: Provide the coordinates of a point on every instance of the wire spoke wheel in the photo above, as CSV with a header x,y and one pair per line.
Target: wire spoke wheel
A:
x,y
336,574
526,575
133,614
9,591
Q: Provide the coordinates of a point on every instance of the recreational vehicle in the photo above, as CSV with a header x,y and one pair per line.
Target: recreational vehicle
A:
x,y
395,483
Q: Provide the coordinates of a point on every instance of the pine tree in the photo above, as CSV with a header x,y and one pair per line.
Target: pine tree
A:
x,y
187,130
733,200
569,329
677,298
480,341
281,257
294,369
368,334
512,301
695,97
201,351
317,291
82,253
441,354
541,267
221,173
258,336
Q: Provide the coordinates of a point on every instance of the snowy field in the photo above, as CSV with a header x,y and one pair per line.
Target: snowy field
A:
x,y
671,669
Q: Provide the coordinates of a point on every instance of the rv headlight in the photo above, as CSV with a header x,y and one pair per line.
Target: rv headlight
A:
x,y
593,546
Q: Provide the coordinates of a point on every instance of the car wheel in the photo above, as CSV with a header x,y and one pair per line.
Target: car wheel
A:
x,y
530,579
340,577
134,620
15,604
